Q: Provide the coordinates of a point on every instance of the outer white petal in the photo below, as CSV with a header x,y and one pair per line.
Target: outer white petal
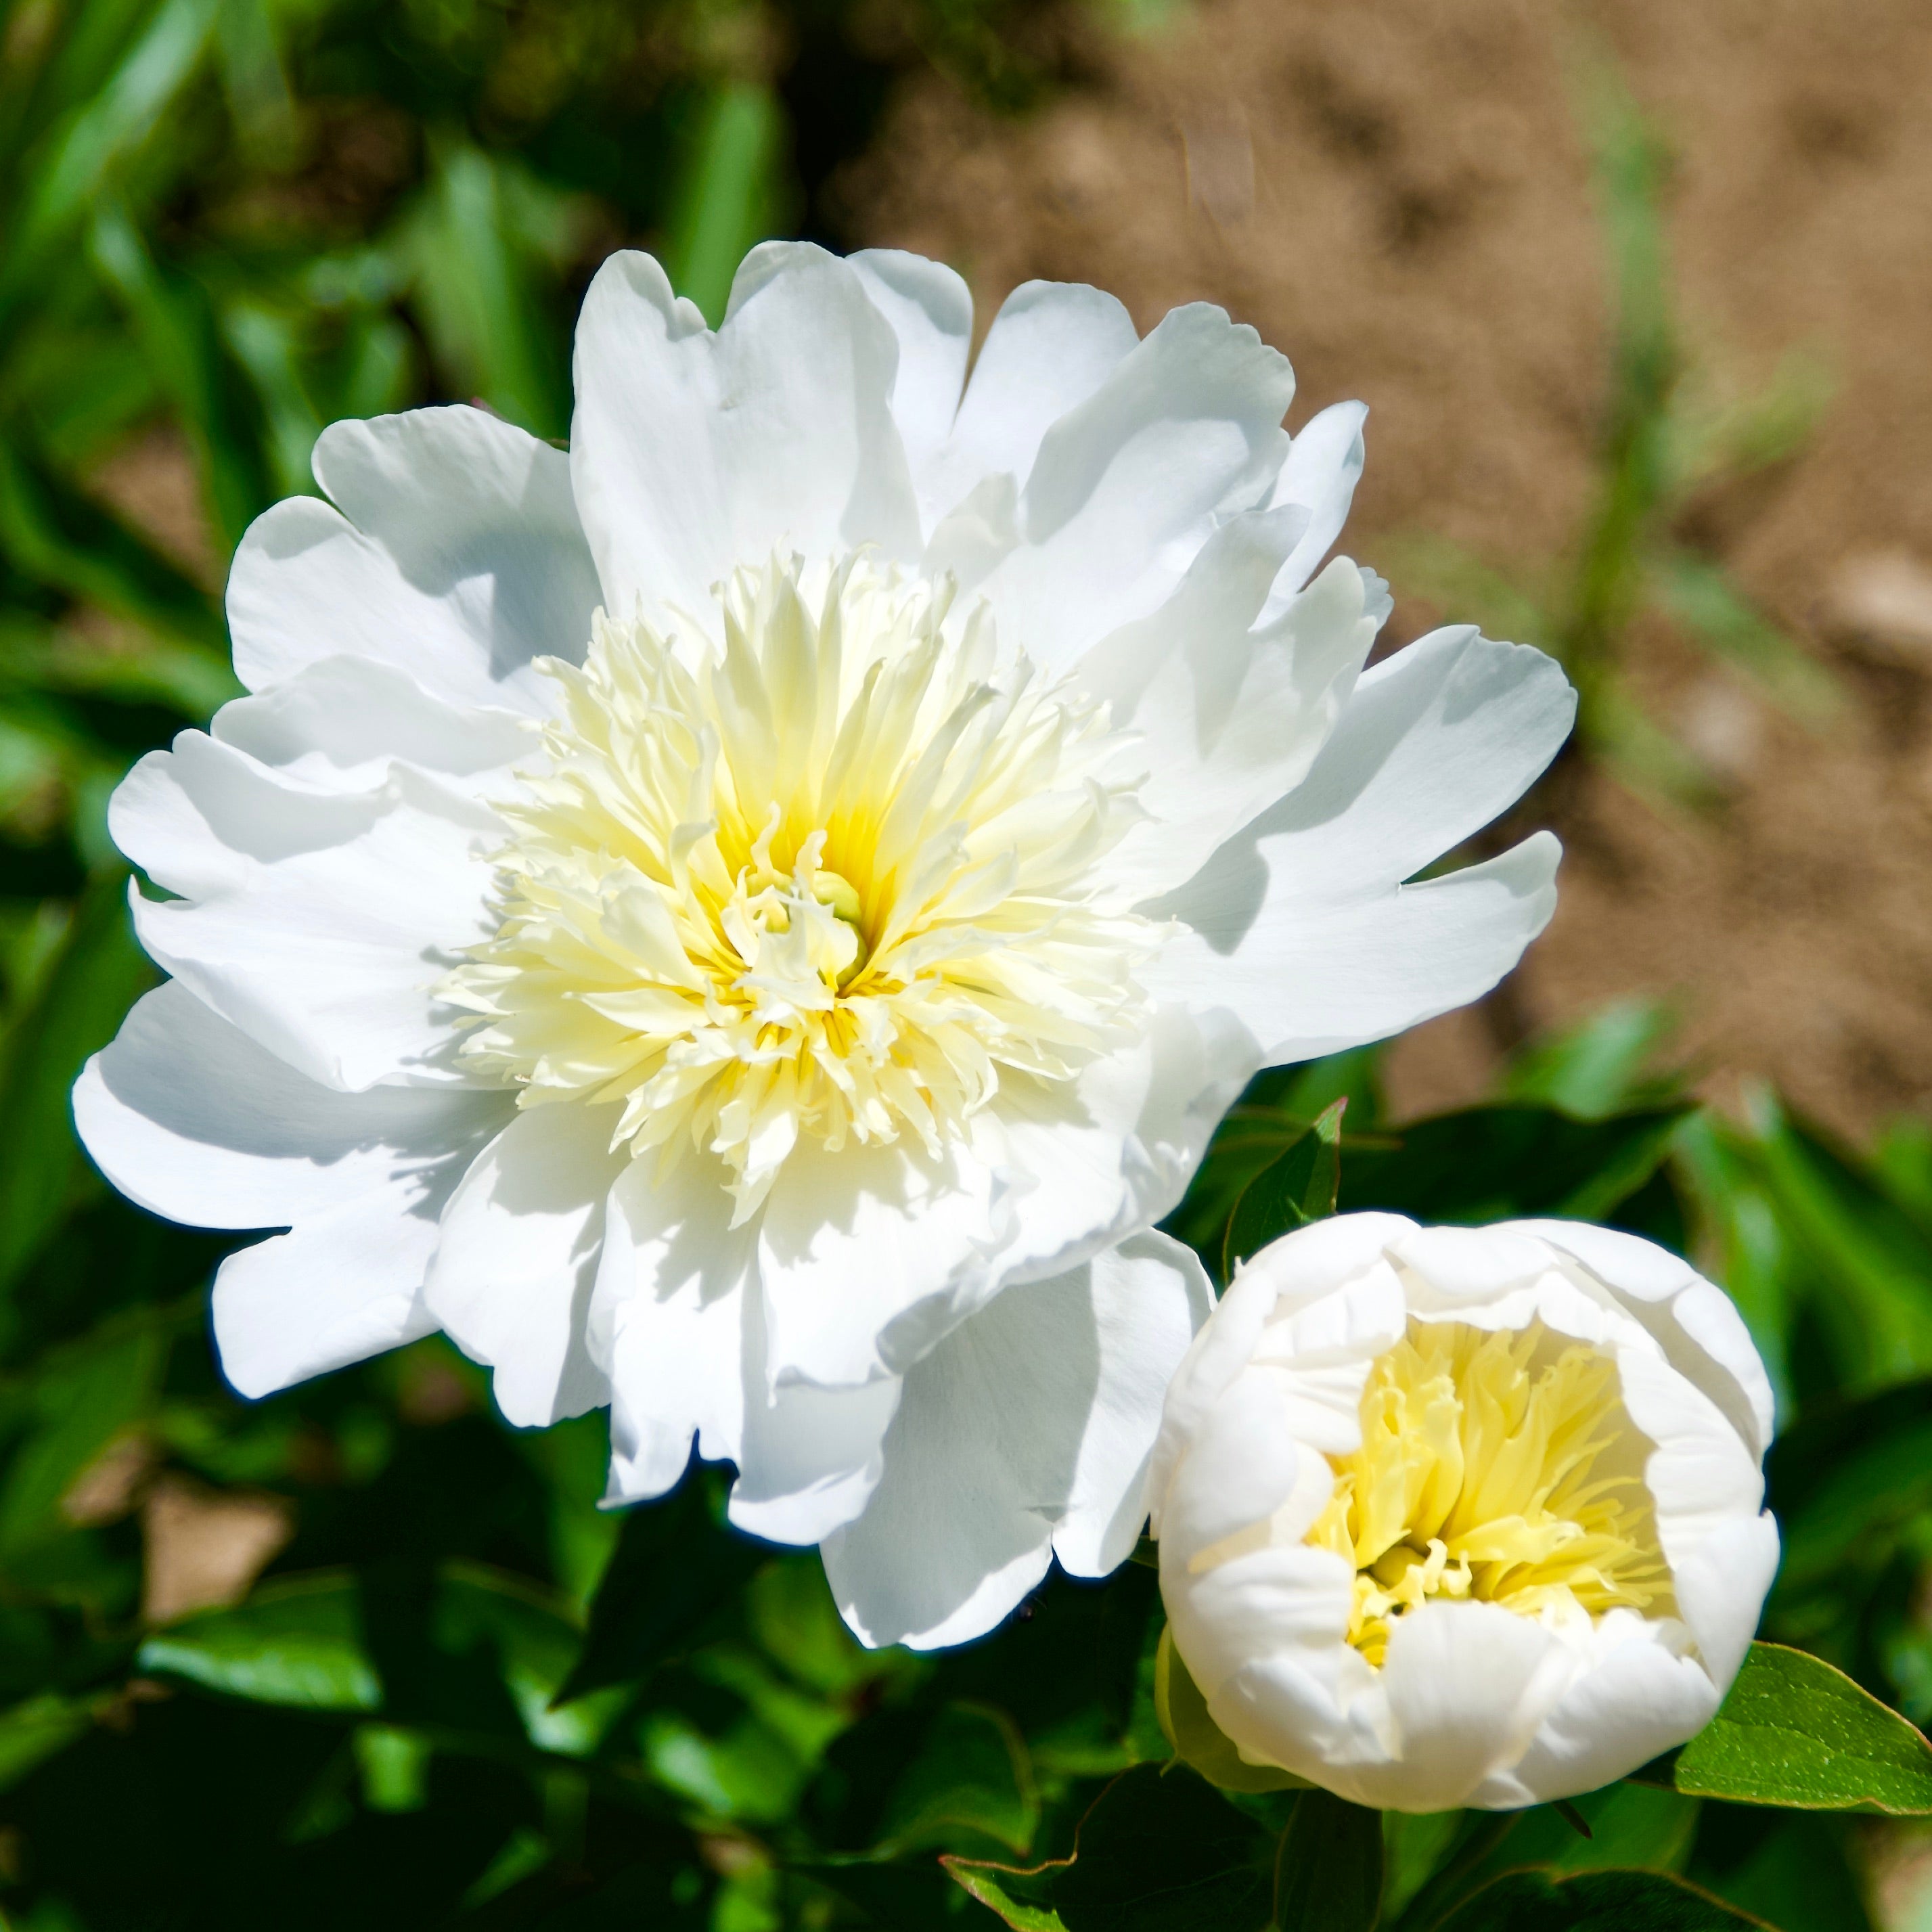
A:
x,y
677,1317
870,1256
1231,718
1467,1685
667,1323
185,1115
1325,464
1300,924
1185,430
1025,1433
457,558
318,924
1325,1261
512,1280
1638,1701
930,312
1310,980
693,453
340,724
1050,347
1703,1335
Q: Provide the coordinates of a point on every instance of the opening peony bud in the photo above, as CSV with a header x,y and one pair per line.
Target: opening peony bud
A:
x,y
1463,1516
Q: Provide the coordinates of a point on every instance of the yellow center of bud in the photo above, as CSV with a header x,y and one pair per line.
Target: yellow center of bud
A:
x,y
1500,1467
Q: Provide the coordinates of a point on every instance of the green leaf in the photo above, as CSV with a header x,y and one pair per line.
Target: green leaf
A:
x,y
1164,1852
535,1641
1196,1738
1497,1163
296,1642
972,1773
1158,1851
1795,1732
674,1565
56,534
175,326
473,286
1289,1192
86,1394
1328,1875
1595,1901
725,202
1700,595
1022,1899
35,1731
99,974
99,132
1846,1481
1875,1262
1594,1069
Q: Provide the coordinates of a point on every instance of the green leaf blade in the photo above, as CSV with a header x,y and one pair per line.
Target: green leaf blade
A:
x,y
1595,1901
1328,1875
296,1643
1299,1186
1795,1732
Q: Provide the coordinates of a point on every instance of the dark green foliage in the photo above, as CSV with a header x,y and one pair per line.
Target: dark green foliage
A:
x,y
1604,1901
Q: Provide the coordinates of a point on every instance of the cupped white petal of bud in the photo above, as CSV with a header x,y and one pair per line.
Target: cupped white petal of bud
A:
x,y
1464,1516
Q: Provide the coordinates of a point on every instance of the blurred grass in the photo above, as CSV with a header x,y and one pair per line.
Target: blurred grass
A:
x,y
1673,434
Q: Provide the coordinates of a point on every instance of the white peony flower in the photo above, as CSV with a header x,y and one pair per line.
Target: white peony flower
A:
x,y
752,921
1464,1516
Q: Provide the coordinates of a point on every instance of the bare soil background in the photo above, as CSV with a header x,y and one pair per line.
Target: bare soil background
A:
x,y
1398,196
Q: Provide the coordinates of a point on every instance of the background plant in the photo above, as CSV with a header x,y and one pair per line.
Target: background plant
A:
x,y
1676,431
361,1654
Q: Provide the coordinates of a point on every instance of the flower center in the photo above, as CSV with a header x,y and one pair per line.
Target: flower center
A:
x,y
834,876
1480,1475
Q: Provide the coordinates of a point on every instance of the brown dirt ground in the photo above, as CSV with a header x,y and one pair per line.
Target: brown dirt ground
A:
x,y
1395,194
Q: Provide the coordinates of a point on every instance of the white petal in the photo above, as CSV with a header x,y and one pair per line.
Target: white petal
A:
x,y
521,1237
1300,924
1126,486
1027,1429
319,925
1231,718
1636,1703
457,559
188,1116
1308,979
1306,1264
1325,464
1051,345
930,312
869,1256
1468,1684
1244,1464
340,724
1151,1296
810,1458
1708,1493
1433,745
1701,1330
667,1322
693,453
678,1317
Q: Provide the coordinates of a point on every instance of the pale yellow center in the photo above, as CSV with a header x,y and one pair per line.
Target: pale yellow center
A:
x,y
1482,1475
831,873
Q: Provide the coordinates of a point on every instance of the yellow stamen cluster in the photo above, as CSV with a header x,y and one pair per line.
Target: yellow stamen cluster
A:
x,y
1478,1477
834,876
